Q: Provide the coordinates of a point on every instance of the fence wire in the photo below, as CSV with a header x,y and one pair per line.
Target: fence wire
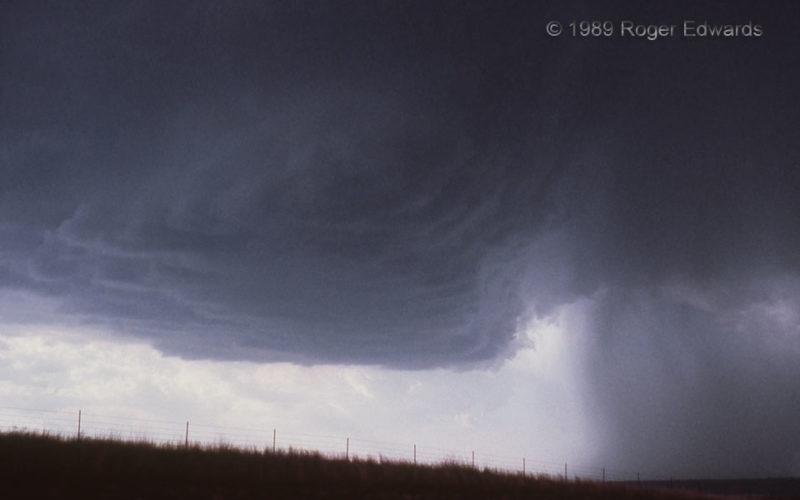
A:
x,y
94,425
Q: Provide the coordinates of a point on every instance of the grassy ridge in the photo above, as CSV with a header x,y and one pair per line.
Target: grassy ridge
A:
x,y
37,466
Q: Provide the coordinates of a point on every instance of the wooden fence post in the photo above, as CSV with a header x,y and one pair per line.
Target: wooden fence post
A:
x,y
79,425
186,438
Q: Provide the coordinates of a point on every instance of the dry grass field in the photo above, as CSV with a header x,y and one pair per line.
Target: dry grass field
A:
x,y
41,466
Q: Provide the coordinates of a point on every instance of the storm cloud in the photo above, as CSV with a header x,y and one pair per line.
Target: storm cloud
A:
x,y
408,185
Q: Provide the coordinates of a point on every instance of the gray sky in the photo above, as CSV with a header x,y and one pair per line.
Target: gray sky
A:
x,y
408,186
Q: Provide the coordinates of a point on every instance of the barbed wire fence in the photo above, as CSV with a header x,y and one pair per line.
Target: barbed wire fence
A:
x,y
88,424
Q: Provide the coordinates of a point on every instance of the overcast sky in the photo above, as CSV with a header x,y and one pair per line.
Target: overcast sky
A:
x,y
582,248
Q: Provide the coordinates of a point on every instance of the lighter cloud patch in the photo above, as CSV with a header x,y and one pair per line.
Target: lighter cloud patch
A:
x,y
783,313
414,388
463,420
357,380
773,319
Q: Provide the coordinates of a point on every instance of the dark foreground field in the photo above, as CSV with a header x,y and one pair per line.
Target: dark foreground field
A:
x,y
34,466
778,488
